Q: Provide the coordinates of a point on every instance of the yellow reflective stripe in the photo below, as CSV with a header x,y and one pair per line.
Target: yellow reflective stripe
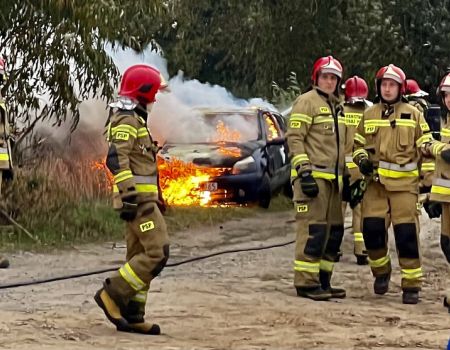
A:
x,y
142,132
353,119
130,276
326,265
423,139
321,119
360,151
301,118
124,128
299,158
412,274
395,174
406,122
351,165
376,122
445,132
358,236
437,148
122,176
293,173
379,262
361,139
341,120
4,156
424,127
440,190
323,175
146,188
305,266
140,297
428,167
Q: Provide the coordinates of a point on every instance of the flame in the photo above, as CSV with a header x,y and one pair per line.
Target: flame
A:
x,y
107,179
272,130
225,134
184,184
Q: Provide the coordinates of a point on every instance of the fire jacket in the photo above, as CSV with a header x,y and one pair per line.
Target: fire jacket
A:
x,y
440,191
316,137
5,146
391,137
353,115
131,157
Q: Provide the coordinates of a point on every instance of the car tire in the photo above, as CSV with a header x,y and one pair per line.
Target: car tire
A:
x,y
265,194
287,190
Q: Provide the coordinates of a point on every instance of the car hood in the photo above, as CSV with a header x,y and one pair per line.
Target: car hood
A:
x,y
213,155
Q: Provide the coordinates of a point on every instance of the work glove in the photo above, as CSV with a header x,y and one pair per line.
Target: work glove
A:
x,y
129,209
309,185
366,167
446,155
433,209
357,190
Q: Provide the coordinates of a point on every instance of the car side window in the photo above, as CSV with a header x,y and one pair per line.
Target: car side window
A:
x,y
272,127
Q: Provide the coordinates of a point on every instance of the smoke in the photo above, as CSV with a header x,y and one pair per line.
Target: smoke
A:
x,y
174,116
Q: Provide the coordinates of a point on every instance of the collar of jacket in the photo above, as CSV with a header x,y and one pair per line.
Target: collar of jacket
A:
x,y
378,99
332,98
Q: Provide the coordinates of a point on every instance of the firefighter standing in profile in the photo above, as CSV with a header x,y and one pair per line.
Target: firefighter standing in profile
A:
x,y
356,92
387,148
132,160
440,192
6,169
316,136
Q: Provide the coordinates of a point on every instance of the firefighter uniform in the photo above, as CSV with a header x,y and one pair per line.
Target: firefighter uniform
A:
x,y
131,159
353,115
390,137
5,158
316,136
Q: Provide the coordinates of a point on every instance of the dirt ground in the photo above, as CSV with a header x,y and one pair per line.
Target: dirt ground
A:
x,y
236,301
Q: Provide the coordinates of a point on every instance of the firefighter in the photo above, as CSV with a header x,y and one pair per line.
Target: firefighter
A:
x,y
387,151
356,92
417,98
440,192
132,160
316,135
6,170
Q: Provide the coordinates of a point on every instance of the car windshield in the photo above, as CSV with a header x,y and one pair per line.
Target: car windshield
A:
x,y
217,127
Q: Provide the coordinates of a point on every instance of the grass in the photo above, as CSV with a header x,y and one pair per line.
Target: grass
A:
x,y
64,203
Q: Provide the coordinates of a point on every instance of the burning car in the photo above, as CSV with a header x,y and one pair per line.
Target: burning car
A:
x,y
235,157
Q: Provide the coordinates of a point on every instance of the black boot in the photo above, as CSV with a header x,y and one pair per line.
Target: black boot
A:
x,y
111,309
361,260
325,278
314,293
410,296
134,314
446,304
381,284
4,263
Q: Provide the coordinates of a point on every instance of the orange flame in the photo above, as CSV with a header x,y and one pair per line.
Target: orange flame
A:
x,y
272,130
225,134
107,179
185,184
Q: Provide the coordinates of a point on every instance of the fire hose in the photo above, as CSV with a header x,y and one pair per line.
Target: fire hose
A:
x,y
111,269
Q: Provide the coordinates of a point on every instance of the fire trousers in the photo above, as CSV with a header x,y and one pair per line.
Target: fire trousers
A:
x,y
147,254
379,208
359,248
319,234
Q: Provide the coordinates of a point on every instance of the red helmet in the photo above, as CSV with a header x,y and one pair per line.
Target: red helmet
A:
x,y
2,66
413,89
140,82
356,89
327,64
391,72
444,86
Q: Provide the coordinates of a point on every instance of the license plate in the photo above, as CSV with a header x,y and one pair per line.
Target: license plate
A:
x,y
211,186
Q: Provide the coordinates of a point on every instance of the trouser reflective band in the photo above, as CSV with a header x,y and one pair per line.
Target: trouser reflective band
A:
x,y
131,278
358,237
305,266
141,296
441,186
4,153
122,176
397,171
326,265
412,274
323,173
349,162
379,262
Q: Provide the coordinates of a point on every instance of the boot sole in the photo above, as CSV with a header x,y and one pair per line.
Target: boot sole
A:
x,y
339,295
315,298
121,324
154,330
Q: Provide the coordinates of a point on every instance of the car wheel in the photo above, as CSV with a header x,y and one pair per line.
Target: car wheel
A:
x,y
265,195
287,190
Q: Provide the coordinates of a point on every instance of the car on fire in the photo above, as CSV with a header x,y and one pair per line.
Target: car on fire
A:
x,y
234,157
